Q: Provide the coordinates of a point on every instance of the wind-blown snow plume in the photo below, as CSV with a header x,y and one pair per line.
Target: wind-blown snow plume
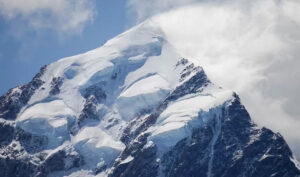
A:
x,y
251,47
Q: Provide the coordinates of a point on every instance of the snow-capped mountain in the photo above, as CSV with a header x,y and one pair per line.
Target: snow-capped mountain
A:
x,y
133,107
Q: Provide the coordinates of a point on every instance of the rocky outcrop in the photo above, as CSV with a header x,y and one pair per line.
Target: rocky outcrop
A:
x,y
229,145
12,102
133,108
16,162
55,85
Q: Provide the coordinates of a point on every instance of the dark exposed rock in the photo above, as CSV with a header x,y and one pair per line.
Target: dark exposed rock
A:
x,y
16,163
89,110
62,160
21,154
134,146
240,150
6,133
183,62
56,83
143,164
16,98
32,143
188,71
94,95
96,92
229,145
10,167
111,123
194,84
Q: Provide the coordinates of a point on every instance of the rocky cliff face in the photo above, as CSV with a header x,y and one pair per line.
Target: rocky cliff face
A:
x,y
133,107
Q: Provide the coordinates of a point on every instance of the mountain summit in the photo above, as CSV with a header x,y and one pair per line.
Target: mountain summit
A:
x,y
133,107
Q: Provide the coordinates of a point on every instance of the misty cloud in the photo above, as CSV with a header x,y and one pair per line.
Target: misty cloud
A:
x,y
67,16
251,47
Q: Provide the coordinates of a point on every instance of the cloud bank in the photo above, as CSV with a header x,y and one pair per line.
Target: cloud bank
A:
x,y
67,16
251,47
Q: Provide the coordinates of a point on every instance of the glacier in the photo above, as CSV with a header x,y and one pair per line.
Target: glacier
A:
x,y
133,107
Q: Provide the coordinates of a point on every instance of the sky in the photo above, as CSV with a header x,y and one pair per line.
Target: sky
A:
x,y
28,42
249,46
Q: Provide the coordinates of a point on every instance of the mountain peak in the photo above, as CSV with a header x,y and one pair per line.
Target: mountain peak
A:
x,y
133,107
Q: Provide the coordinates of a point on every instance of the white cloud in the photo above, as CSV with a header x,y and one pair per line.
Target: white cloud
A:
x,y
251,47
68,16
143,9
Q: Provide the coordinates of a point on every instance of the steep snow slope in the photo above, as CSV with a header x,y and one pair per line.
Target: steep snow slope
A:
x,y
123,110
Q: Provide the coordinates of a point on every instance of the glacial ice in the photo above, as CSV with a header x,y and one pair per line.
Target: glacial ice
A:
x,y
136,71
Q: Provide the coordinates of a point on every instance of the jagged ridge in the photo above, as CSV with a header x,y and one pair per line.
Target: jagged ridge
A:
x,y
133,107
